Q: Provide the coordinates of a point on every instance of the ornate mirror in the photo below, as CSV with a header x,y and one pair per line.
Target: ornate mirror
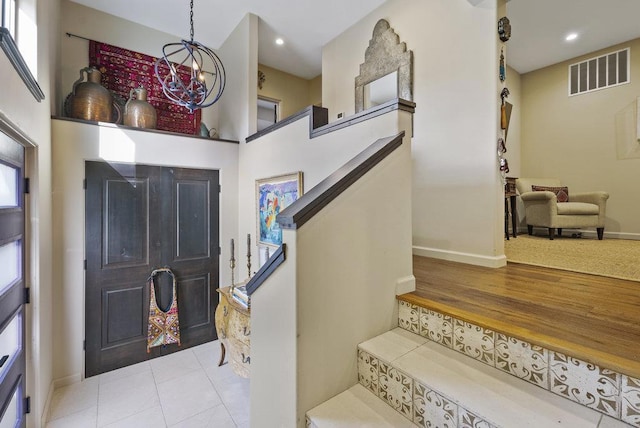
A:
x,y
386,62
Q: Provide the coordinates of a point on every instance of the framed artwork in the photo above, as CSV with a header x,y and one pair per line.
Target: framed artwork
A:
x,y
273,195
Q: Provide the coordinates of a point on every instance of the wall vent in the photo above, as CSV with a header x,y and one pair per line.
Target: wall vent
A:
x,y
601,72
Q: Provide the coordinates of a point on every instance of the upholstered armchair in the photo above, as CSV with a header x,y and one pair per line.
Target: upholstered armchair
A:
x,y
542,208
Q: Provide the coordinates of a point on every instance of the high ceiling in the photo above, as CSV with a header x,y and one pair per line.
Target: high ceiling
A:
x,y
538,26
304,25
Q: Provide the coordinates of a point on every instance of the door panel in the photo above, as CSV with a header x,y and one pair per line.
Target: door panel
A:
x,y
139,218
194,253
12,323
196,296
123,309
118,201
192,201
126,222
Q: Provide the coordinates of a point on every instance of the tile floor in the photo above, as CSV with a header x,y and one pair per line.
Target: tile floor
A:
x,y
186,389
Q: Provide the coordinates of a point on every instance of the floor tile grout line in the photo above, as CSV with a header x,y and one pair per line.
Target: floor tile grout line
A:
x,y
155,383
221,398
57,392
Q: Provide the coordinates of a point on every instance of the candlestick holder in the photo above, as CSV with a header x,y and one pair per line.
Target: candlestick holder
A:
x,y
249,255
232,265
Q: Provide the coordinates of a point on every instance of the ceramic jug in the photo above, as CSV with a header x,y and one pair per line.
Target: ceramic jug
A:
x,y
138,112
89,99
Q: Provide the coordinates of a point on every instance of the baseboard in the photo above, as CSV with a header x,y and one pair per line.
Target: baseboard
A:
x,y
56,384
405,285
66,381
591,233
44,417
612,235
455,256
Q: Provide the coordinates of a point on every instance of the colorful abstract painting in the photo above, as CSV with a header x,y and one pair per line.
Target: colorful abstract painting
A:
x,y
272,196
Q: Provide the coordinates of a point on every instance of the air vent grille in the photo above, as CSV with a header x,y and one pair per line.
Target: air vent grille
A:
x,y
601,72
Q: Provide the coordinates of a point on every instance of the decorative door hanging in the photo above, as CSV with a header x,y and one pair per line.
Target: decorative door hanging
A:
x,y
164,328
504,33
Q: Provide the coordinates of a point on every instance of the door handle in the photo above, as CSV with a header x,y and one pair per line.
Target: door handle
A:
x,y
3,360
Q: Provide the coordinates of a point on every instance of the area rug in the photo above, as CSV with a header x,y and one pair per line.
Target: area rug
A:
x,y
616,258
123,70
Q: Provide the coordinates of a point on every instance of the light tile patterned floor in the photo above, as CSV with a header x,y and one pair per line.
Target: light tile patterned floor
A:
x,y
185,389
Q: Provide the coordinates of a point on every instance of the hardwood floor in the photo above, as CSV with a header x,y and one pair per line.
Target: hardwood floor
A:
x,y
593,318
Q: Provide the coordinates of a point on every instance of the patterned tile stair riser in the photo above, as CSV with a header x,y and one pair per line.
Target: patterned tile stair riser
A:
x,y
412,399
606,391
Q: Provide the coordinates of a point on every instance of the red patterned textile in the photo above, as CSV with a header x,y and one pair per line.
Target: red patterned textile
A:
x,y
123,70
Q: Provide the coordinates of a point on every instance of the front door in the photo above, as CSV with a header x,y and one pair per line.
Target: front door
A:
x,y
12,291
140,218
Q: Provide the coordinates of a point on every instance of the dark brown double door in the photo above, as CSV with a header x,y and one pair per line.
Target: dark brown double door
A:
x,y
140,218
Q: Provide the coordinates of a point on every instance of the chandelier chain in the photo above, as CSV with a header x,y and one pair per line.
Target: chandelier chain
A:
x,y
191,20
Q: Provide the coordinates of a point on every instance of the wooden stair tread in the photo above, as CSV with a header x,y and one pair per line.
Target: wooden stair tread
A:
x,y
589,317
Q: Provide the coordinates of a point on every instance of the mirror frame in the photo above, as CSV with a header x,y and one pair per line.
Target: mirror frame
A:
x,y
385,55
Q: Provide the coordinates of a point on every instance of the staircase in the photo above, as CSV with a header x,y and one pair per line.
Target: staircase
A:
x,y
439,371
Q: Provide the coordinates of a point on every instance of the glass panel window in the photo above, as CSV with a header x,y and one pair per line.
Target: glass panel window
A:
x,y
10,262
8,186
11,342
9,16
583,77
622,66
599,72
592,74
574,79
602,71
613,70
10,419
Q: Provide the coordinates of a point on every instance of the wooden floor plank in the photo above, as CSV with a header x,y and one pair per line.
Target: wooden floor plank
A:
x,y
594,318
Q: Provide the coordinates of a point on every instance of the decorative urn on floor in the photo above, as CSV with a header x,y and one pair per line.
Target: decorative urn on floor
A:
x,y
138,112
90,100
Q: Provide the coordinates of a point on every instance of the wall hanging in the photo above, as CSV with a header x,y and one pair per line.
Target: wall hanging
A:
x,y
384,56
272,196
123,69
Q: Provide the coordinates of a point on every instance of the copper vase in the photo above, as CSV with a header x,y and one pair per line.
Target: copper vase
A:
x,y
138,112
90,100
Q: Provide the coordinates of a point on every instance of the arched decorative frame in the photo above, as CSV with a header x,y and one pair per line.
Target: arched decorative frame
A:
x,y
385,55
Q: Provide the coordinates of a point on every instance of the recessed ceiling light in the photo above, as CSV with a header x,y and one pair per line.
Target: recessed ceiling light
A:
x,y
571,37
279,41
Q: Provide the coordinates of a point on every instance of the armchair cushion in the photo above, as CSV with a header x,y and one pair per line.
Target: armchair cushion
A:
x,y
577,208
562,192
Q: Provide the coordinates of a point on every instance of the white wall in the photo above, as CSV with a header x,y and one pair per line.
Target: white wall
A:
x,y
274,371
238,109
347,284
334,290
289,150
458,199
575,138
19,109
73,144
102,27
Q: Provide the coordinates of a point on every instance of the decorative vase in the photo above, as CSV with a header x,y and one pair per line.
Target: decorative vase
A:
x,y
90,100
138,112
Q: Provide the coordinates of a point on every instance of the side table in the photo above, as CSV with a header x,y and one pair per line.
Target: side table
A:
x,y
510,207
233,324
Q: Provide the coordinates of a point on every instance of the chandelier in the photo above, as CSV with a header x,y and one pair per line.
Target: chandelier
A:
x,y
190,73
